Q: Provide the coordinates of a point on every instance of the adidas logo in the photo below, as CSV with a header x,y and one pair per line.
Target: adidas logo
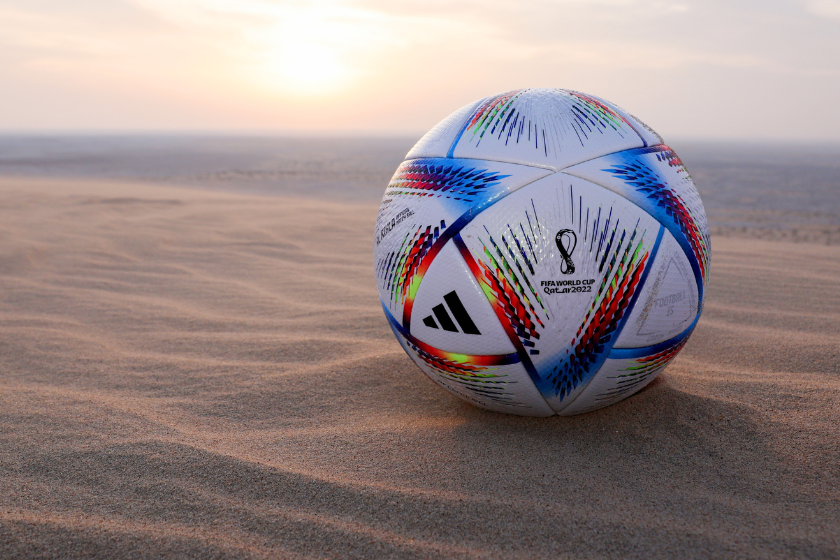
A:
x,y
457,308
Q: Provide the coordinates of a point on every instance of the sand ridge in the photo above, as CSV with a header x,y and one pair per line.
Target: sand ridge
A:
x,y
198,374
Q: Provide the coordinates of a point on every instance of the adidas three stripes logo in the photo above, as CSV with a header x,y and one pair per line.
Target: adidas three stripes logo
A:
x,y
458,311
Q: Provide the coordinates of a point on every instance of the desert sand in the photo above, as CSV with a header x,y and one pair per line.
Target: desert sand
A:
x,y
207,375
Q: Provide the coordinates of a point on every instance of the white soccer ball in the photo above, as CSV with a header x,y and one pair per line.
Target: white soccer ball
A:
x,y
541,252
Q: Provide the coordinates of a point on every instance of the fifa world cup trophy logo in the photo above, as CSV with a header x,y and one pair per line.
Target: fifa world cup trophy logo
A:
x,y
566,240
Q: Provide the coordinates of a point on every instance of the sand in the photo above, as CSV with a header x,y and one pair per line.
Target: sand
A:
x,y
207,375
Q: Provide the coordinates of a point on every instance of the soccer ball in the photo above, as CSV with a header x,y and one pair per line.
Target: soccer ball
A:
x,y
541,252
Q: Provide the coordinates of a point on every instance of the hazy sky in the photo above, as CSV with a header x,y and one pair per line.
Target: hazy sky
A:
x,y
710,68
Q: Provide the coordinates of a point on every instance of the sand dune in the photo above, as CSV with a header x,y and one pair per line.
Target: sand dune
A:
x,y
194,374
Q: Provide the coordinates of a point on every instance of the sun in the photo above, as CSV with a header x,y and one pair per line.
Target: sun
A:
x,y
317,47
309,68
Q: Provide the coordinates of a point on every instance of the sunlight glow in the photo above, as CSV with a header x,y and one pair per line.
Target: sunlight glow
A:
x,y
308,48
309,68
400,65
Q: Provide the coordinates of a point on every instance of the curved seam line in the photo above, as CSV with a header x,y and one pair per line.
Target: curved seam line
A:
x,y
417,342
629,310
456,228
524,359
464,126
630,353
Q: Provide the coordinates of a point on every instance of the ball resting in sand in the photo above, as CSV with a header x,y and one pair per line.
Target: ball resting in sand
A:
x,y
542,252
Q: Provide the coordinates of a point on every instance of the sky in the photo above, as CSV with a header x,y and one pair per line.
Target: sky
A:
x,y
710,69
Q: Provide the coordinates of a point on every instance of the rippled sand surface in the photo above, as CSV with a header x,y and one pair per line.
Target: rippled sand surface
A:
x,y
209,375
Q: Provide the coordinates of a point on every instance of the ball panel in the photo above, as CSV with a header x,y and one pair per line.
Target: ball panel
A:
x,y
452,313
646,133
551,128
421,210
497,382
621,378
561,260
668,302
656,179
438,141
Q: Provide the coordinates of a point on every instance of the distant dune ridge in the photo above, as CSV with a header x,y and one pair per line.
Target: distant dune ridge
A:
x,y
198,374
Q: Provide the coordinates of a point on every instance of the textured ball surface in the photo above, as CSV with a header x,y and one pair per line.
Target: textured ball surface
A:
x,y
541,252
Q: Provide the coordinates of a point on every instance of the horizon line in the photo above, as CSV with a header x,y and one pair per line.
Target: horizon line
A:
x,y
348,134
